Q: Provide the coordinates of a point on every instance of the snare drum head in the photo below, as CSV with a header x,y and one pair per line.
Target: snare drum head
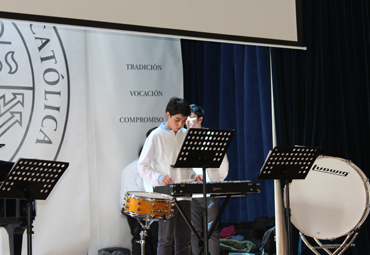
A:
x,y
143,195
331,201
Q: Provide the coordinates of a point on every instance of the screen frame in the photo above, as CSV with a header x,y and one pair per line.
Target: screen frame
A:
x,y
166,32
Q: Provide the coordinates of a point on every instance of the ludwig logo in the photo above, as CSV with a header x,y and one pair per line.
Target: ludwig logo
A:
x,y
34,91
329,170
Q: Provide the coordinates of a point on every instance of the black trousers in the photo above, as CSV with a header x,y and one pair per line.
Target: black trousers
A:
x,y
151,240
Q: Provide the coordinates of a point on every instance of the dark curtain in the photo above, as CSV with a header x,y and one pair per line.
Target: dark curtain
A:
x,y
232,84
322,94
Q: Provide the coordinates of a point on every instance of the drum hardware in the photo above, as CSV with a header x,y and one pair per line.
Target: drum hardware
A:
x,y
139,204
339,248
165,211
143,233
316,200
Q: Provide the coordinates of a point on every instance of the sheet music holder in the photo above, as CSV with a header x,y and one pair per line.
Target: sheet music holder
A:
x,y
288,163
203,148
32,179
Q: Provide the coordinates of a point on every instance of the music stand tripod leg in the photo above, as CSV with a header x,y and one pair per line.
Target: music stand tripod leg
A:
x,y
29,228
287,215
205,212
30,204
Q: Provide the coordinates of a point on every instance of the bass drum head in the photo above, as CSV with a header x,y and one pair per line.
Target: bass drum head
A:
x,y
331,201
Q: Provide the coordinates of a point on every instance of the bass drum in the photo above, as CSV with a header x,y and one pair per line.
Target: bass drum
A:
x,y
332,201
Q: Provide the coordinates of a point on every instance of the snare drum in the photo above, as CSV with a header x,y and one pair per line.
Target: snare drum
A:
x,y
148,205
332,201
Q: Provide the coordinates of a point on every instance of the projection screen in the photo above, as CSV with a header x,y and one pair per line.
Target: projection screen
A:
x,y
257,22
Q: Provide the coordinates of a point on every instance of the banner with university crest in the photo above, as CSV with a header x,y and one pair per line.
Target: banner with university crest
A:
x,y
86,97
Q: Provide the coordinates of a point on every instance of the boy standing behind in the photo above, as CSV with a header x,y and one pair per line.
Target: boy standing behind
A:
x,y
159,152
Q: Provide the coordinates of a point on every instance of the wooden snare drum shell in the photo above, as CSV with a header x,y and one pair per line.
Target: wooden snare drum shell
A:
x,y
148,205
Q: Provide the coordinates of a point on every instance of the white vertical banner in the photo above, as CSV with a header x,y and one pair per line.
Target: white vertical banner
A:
x,y
132,77
86,98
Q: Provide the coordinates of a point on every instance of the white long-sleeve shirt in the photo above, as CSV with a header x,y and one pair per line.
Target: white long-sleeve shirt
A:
x,y
159,152
130,180
216,174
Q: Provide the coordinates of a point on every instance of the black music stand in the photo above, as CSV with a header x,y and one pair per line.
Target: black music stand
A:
x,y
32,179
203,148
288,163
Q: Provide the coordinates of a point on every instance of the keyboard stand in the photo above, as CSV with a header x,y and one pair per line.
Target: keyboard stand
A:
x,y
204,148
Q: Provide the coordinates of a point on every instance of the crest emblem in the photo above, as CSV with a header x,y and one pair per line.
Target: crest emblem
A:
x,y
34,91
